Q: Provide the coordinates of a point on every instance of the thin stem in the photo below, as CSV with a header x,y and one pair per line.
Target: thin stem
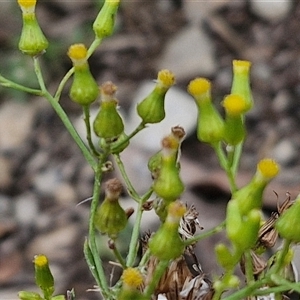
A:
x,y
140,127
63,116
131,190
248,267
158,273
95,44
133,247
10,84
86,112
119,256
92,233
205,235
62,84
279,262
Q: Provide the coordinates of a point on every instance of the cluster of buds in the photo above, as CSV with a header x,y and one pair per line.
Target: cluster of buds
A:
x,y
211,128
243,217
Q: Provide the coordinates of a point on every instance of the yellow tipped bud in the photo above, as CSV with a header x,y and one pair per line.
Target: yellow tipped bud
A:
x,y
132,277
268,168
176,210
77,52
242,66
166,78
199,86
40,260
235,105
27,3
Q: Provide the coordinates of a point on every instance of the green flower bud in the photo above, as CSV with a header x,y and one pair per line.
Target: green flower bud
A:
x,y
32,40
43,275
110,217
161,209
234,130
241,81
23,295
166,243
84,89
120,144
132,280
224,257
168,184
104,24
287,224
154,163
242,230
250,196
152,108
210,126
108,124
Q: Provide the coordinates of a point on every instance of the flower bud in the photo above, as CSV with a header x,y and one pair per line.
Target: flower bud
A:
x,y
287,224
32,40
166,243
43,275
84,89
154,163
132,281
210,126
250,196
103,25
110,217
152,108
241,81
108,124
23,295
242,230
234,130
168,184
224,257
120,144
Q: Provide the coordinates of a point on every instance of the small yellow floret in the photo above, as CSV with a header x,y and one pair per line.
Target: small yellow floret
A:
x,y
132,277
77,51
268,168
177,209
199,86
242,66
235,104
40,260
166,78
27,3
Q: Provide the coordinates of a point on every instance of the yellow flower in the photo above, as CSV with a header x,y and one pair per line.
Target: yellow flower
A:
x,y
268,168
166,78
235,105
40,260
132,277
199,86
27,3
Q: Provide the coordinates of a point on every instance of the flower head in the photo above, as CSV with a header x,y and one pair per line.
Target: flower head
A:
x,y
132,277
166,78
235,105
199,87
268,168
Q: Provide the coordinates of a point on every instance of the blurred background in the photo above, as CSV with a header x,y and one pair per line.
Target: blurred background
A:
x,y
42,173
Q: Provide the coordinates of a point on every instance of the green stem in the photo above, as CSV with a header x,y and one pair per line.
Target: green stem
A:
x,y
119,256
95,44
10,84
133,247
140,127
248,267
131,190
158,273
63,83
279,262
86,112
224,163
64,118
102,282
205,235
